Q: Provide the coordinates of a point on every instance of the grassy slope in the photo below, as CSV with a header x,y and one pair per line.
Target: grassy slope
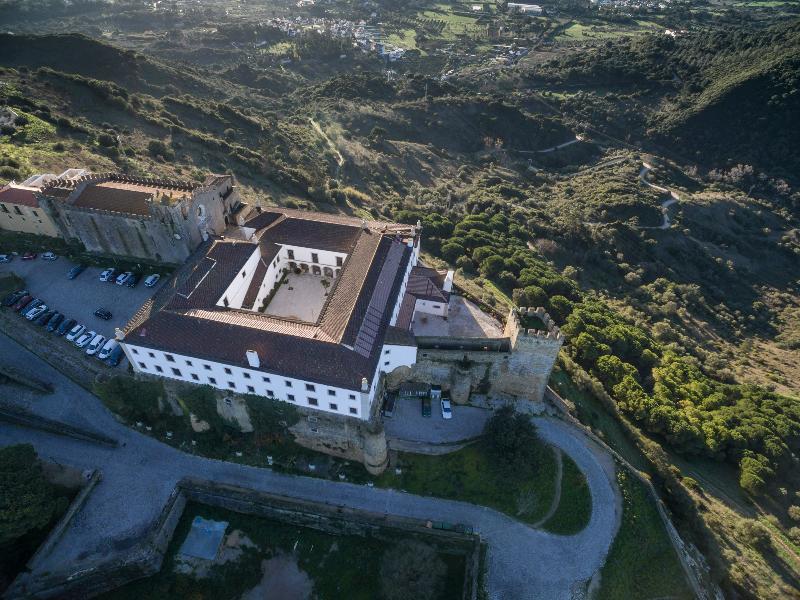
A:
x,y
468,475
575,507
642,563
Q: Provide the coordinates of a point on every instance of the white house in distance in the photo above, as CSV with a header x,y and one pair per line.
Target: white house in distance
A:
x,y
303,310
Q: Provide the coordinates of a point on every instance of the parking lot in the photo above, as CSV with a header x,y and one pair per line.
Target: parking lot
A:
x,y
79,298
407,422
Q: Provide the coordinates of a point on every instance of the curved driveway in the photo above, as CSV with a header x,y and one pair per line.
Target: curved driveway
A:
x,y
139,476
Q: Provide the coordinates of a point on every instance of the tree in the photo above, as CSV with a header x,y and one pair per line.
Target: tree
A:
x,y
513,441
452,251
492,265
27,500
412,570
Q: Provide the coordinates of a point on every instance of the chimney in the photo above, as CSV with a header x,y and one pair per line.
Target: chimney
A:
x,y
252,359
364,385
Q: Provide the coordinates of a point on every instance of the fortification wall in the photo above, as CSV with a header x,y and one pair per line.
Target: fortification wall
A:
x,y
518,365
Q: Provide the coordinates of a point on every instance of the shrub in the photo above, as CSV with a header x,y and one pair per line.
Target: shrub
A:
x,y
412,570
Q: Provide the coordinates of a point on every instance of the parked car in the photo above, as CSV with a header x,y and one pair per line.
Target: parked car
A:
x,y
132,280
447,411
66,325
49,256
31,305
108,274
22,302
85,339
36,312
29,256
42,319
95,344
116,356
54,322
107,349
14,297
426,407
103,314
152,280
6,258
122,278
75,271
76,331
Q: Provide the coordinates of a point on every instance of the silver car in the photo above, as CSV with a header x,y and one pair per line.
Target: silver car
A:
x,y
95,345
84,340
76,332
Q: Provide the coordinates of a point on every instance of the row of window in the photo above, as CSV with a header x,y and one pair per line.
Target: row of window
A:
x,y
314,257
4,208
310,387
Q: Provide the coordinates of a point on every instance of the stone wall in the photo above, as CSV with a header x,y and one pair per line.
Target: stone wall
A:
x,y
169,233
146,558
516,366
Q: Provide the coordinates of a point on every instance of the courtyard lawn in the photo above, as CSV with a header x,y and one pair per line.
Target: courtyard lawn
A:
x,y
264,556
642,563
575,506
469,475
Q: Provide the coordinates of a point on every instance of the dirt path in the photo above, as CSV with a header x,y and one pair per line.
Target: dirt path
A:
x,y
557,496
339,157
674,197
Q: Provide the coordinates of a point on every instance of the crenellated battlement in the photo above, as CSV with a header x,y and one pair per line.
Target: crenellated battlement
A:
x,y
518,318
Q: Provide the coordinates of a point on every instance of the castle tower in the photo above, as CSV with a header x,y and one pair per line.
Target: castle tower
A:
x,y
534,351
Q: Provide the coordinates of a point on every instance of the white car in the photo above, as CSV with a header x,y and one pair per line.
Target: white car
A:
x,y
36,312
75,332
107,274
6,258
95,345
107,349
49,256
447,411
123,278
152,280
84,340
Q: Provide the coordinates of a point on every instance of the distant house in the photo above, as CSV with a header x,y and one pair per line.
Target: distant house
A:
x,y
529,9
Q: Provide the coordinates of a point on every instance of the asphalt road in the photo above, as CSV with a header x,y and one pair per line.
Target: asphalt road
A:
x,y
80,297
138,477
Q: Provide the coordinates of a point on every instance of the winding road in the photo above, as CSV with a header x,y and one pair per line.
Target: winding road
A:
x,y
138,476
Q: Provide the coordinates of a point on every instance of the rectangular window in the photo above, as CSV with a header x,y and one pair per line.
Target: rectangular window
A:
x,y
310,387
244,274
176,372
3,206
333,406
288,383
331,392
207,367
246,375
227,371
151,355
195,377
353,411
143,366
35,214
313,402
339,261
266,379
386,351
134,350
314,257
212,381
270,393
17,210
159,369
189,363
352,396
290,397
290,254
169,357
251,389
231,385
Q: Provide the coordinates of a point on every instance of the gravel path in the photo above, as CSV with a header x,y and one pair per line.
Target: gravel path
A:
x,y
138,477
